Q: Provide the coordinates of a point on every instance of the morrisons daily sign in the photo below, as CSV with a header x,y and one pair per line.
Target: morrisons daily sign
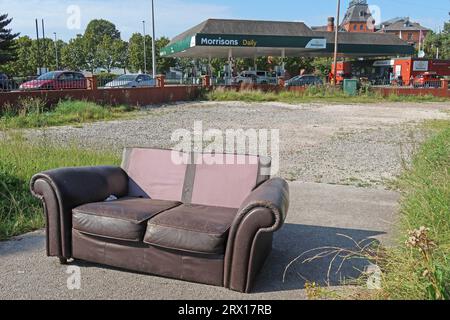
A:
x,y
252,41
258,41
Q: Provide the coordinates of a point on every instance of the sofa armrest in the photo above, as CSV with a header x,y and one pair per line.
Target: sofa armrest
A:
x,y
250,238
62,190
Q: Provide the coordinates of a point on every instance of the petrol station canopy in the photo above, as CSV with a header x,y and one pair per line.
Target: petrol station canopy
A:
x,y
223,38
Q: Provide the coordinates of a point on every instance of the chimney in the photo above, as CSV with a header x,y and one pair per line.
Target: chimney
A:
x,y
330,25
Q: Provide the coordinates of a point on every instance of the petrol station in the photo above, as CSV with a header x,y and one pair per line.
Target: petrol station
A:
x,y
231,39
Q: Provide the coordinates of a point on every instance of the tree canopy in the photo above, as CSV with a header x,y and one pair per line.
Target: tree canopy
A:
x,y
7,44
435,42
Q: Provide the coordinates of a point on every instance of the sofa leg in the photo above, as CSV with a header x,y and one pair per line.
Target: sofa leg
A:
x,y
63,261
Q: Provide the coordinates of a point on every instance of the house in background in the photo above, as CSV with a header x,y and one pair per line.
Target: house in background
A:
x,y
358,18
405,29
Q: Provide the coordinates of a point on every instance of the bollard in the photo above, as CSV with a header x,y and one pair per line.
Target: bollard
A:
x,y
160,80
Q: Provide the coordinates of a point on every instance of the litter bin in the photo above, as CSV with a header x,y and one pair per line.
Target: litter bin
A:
x,y
351,87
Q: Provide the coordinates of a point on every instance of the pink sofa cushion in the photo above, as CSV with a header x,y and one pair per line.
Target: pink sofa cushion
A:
x,y
224,184
153,174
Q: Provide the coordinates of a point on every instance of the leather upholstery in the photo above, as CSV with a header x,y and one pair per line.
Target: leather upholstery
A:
x,y
207,269
261,214
62,190
191,228
203,243
123,219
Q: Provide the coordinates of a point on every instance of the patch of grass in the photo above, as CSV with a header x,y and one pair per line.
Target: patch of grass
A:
x,y
411,98
19,161
313,94
419,267
33,113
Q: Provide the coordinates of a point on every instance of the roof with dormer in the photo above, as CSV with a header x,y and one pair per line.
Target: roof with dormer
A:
x,y
358,11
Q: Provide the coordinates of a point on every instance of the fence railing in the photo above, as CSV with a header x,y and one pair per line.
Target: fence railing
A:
x,y
32,84
111,83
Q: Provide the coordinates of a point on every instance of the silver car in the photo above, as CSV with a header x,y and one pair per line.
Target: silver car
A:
x,y
132,81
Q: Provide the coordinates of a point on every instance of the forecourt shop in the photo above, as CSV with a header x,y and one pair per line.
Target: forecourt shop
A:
x,y
229,39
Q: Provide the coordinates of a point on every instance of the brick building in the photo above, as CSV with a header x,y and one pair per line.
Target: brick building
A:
x,y
404,28
358,18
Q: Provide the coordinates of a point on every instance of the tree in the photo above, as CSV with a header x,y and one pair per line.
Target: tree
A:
x,y
438,41
112,53
98,28
7,44
136,52
73,55
25,62
95,32
322,66
163,64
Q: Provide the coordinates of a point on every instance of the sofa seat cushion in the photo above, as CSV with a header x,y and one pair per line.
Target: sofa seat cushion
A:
x,y
191,228
122,219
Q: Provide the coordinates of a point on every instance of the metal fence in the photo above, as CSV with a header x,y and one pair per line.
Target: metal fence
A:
x,y
34,84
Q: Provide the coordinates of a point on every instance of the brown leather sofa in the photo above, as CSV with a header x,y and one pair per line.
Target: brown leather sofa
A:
x,y
182,216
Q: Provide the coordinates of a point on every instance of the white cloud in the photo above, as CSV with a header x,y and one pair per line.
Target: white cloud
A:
x,y
172,16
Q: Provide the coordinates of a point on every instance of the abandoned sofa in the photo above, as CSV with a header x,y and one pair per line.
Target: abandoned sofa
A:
x,y
188,220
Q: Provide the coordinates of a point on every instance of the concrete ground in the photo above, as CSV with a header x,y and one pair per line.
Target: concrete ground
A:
x,y
320,215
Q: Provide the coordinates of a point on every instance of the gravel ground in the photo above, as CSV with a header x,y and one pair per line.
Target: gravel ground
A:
x,y
360,145
331,144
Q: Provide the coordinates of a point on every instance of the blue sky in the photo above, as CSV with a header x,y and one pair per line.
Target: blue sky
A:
x,y
175,16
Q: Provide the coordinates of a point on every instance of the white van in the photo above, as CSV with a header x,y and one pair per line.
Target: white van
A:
x,y
255,77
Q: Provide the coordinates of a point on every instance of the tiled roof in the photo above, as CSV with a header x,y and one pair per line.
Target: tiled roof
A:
x,y
402,24
357,12
363,38
254,27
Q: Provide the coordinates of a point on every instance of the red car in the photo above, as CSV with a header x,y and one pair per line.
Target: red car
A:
x,y
57,80
427,80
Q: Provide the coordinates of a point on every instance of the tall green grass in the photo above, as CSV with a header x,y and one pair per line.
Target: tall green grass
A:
x,y
412,272
34,113
313,94
19,161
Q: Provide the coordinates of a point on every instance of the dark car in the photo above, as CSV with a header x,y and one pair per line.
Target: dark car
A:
x,y
304,80
7,84
57,80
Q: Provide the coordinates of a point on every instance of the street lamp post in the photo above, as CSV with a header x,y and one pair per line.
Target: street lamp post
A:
x,y
56,52
145,49
336,43
153,41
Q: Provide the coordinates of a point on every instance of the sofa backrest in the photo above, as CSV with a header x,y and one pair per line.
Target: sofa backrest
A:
x,y
222,180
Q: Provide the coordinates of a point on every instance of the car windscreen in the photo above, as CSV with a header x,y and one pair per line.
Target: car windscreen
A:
x,y
126,77
48,76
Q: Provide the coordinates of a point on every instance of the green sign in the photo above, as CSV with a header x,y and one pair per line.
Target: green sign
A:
x,y
176,47
252,41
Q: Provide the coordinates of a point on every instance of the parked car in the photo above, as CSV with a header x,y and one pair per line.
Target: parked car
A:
x,y
6,83
304,80
132,81
57,80
255,77
427,80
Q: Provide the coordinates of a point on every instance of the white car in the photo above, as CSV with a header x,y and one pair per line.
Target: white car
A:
x,y
132,81
255,77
